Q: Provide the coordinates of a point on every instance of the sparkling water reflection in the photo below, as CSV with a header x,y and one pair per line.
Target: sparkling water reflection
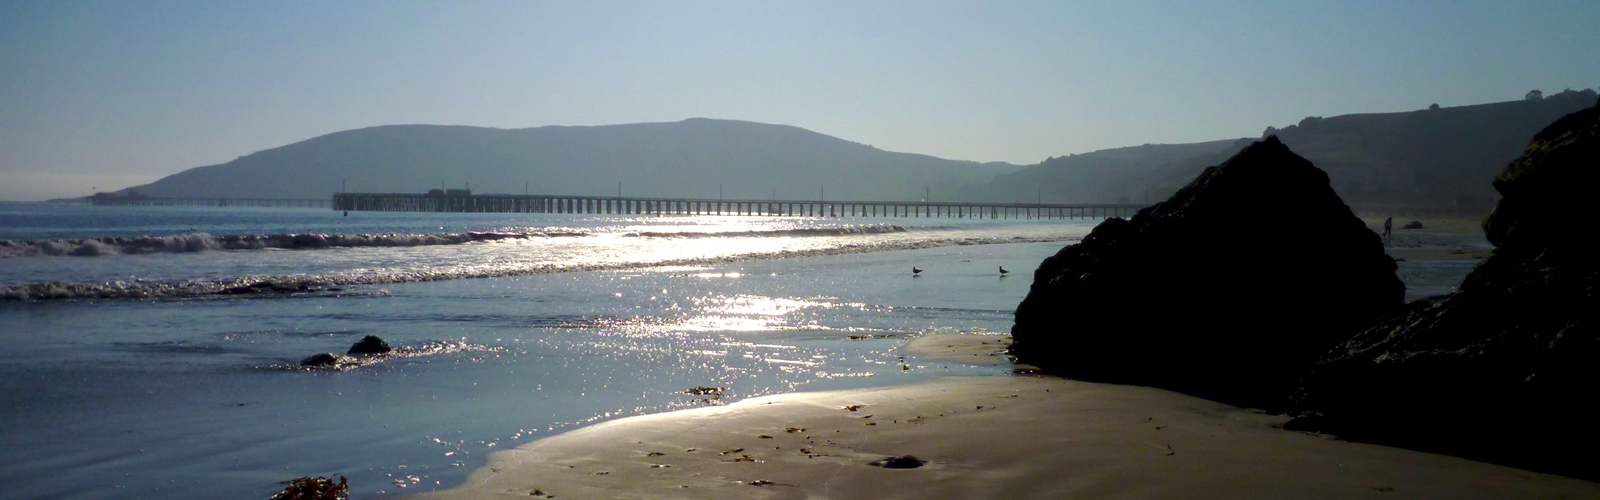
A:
x,y
181,398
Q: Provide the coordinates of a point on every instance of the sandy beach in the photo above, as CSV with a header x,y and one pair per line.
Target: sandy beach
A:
x,y
1021,436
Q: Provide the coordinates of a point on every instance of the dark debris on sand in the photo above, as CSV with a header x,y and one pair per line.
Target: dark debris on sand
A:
x,y
899,462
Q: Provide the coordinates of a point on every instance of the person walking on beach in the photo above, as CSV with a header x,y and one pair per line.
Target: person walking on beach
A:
x,y
1388,227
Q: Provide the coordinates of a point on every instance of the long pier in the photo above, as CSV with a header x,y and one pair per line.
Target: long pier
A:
x,y
459,201
150,201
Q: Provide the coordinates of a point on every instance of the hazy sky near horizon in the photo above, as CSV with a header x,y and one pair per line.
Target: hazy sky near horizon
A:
x,y
111,94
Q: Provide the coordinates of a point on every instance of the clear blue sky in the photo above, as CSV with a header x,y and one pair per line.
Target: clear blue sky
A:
x,y
110,94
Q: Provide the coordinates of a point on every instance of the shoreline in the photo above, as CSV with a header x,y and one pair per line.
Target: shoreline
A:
x,y
1435,259
1018,436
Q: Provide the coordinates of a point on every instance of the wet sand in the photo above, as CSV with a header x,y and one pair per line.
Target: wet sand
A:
x,y
1019,436
983,350
1023,436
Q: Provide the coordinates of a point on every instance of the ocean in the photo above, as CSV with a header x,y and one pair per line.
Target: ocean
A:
x,y
153,352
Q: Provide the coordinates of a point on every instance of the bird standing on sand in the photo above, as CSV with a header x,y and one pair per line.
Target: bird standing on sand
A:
x,y
1003,271
916,273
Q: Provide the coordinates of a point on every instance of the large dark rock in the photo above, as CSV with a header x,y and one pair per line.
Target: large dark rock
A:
x,y
1505,368
1228,290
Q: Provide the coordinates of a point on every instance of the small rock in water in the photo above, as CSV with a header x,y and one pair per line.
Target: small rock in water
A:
x,y
1416,224
314,488
900,462
326,359
370,344
267,287
706,391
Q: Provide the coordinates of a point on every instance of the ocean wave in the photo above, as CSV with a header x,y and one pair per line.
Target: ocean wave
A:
x,y
809,231
334,283
201,242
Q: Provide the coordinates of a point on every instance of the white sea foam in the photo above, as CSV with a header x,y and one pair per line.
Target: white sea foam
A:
x,y
324,283
200,242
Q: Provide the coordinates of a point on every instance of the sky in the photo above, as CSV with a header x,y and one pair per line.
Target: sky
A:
x,y
105,95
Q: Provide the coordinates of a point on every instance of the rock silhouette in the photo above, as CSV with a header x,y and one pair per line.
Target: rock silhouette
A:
x,y
370,344
1503,369
1228,290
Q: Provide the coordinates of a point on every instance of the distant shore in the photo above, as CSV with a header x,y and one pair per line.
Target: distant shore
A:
x,y
1434,259
1021,436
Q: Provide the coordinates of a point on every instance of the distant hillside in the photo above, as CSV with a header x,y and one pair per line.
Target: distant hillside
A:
x,y
1105,176
680,159
1425,158
1430,157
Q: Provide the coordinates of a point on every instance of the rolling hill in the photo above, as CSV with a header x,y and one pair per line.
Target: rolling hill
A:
x,y
690,158
1437,157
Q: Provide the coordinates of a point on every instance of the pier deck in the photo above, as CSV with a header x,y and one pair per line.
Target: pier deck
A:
x,y
618,205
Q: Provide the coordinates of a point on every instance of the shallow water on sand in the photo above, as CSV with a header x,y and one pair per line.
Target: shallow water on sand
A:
x,y
188,397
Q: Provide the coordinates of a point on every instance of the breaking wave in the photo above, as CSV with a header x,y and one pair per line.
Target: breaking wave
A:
x,y
810,231
333,283
201,242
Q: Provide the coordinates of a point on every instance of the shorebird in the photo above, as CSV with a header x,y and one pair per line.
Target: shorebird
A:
x,y
1003,271
916,272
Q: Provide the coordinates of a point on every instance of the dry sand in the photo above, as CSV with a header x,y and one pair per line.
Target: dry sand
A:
x,y
1018,436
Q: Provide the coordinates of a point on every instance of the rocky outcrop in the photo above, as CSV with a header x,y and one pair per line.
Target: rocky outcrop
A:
x,y
1228,290
1505,368
370,344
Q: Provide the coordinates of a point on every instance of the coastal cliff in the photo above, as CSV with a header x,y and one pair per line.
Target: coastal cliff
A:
x,y
1503,369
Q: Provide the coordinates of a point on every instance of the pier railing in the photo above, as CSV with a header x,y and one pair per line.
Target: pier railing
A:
x,y
618,205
